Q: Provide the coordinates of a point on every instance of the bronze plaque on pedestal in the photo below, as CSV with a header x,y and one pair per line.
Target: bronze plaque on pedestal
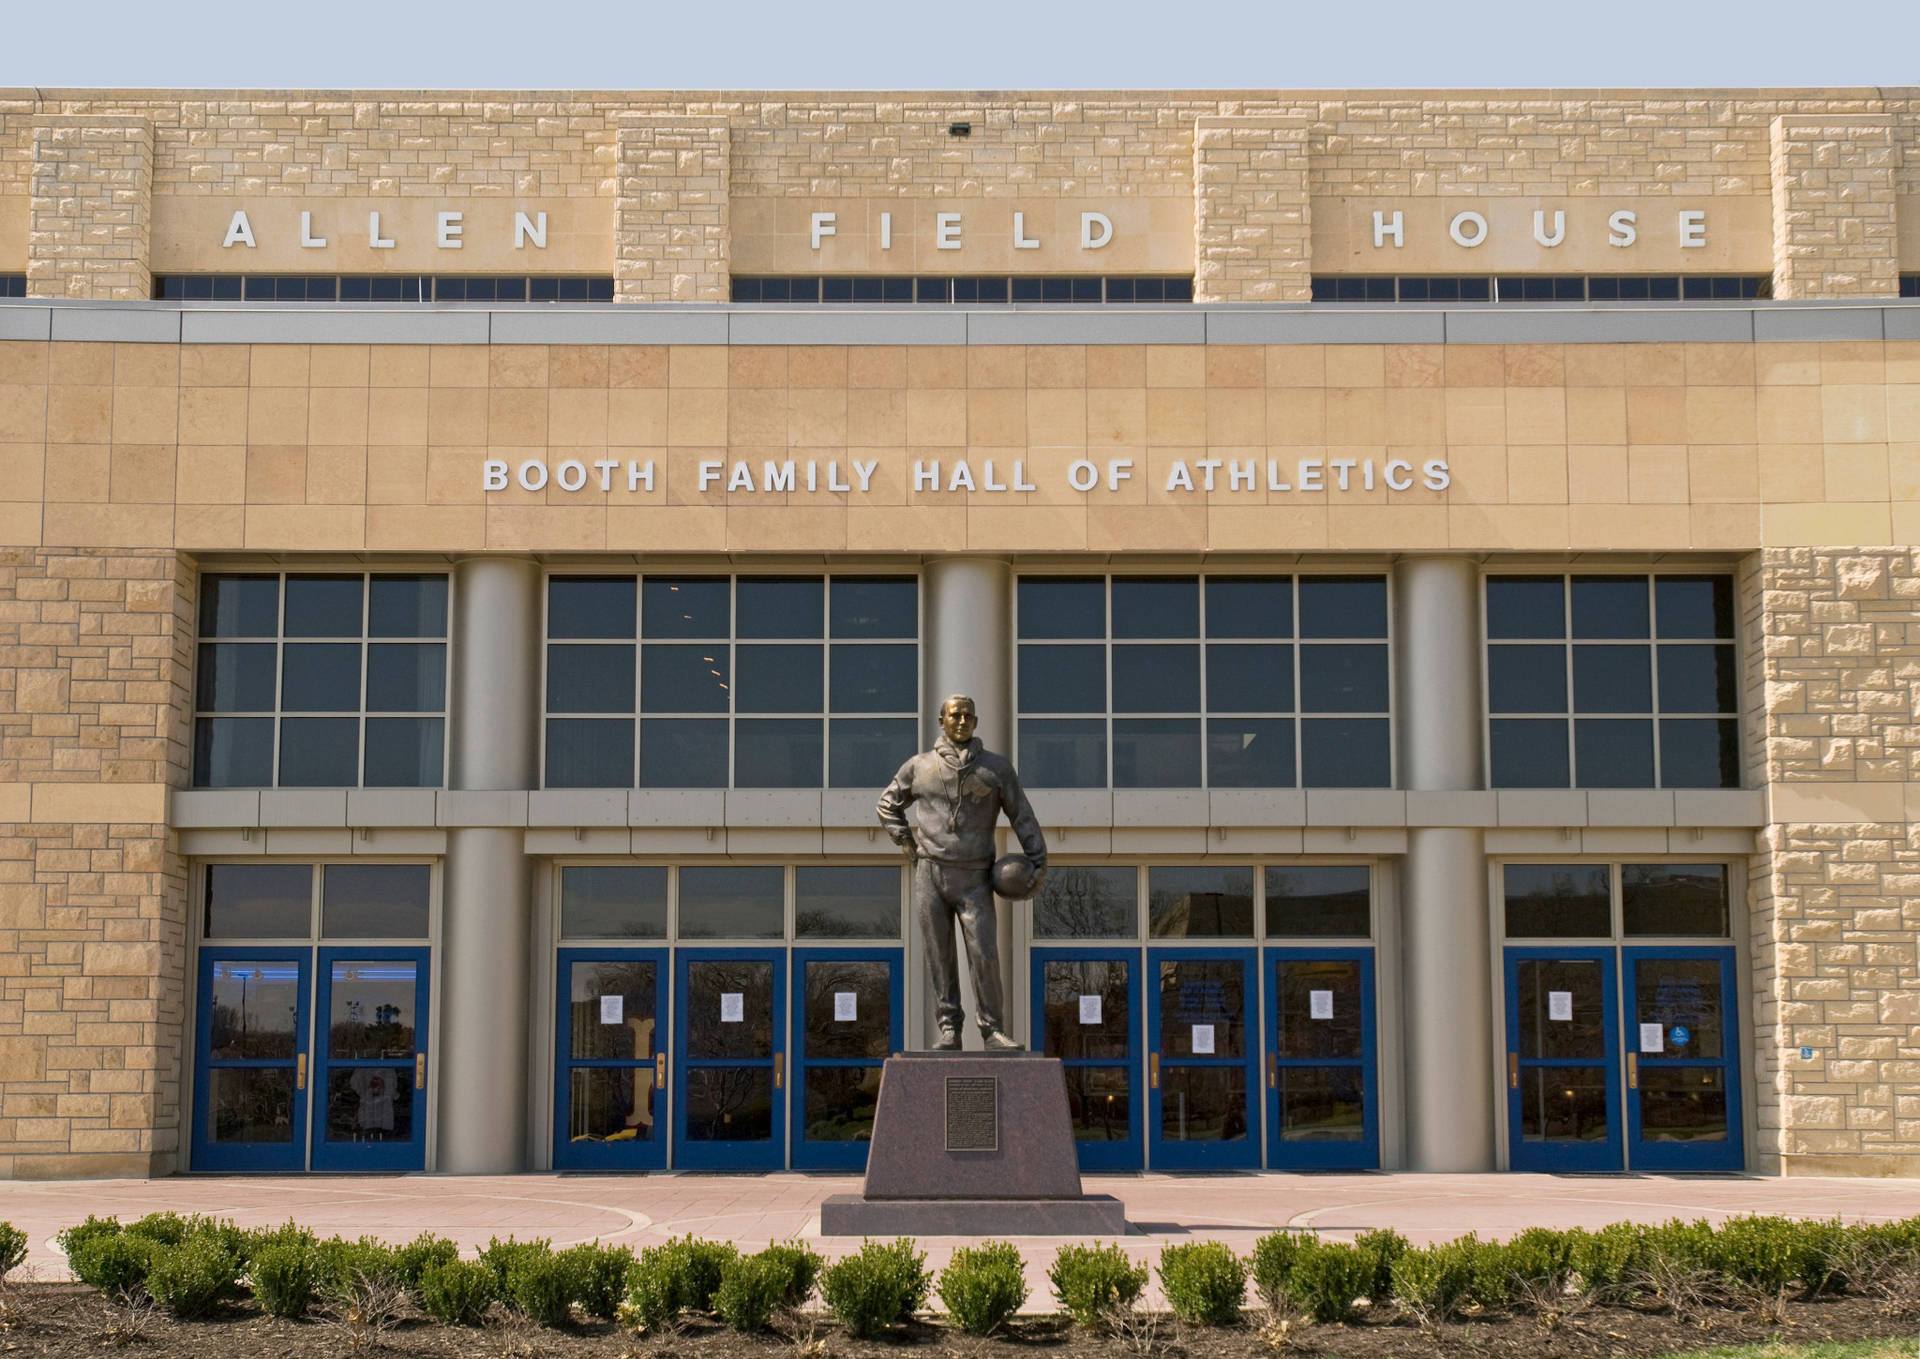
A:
x,y
973,1113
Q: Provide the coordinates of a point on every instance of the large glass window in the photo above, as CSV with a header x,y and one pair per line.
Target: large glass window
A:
x,y
1204,681
1577,900
321,681
730,901
1614,681
719,681
255,901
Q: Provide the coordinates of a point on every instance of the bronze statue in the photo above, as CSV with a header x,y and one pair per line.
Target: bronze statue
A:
x,y
942,809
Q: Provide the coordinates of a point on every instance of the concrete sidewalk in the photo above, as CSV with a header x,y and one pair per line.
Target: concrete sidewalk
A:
x,y
752,1210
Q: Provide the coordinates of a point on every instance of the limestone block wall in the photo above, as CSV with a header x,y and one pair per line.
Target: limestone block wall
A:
x,y
1253,221
95,647
1834,181
91,207
670,225
1836,889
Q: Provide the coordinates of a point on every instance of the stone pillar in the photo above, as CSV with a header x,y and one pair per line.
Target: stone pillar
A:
x,y
486,918
1447,951
1252,221
969,639
670,218
90,210
1834,187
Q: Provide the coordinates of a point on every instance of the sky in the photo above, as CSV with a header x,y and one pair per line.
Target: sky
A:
x,y
977,45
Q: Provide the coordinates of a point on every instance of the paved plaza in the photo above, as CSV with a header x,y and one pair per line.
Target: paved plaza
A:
x,y
752,1210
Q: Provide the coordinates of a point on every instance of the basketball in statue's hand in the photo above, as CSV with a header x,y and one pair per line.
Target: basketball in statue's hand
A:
x,y
1014,877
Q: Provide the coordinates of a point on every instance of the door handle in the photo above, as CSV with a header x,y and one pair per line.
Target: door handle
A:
x,y
1633,1071
1153,1071
1273,1072
419,1071
660,1071
1513,1071
300,1072
779,1070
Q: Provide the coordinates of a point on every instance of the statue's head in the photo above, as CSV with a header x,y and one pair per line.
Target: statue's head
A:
x,y
958,719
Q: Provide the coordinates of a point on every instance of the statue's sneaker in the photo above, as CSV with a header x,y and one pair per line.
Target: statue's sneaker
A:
x,y
949,1041
997,1041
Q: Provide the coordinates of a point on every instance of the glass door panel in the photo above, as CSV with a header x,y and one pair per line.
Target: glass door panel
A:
x,y
1563,1091
1200,1063
371,1060
847,1019
1683,1088
610,1071
250,1071
1321,1109
1085,1012
730,1079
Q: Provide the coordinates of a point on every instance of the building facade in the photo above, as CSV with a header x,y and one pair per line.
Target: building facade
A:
x,y
1445,565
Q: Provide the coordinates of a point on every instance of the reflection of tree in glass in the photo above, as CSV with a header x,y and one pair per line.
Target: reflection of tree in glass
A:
x,y
1085,903
708,1034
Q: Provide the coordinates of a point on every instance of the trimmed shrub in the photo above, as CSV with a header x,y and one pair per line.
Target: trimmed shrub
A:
x,y
1273,1258
13,1248
112,1262
803,1271
1826,1258
984,1285
705,1262
540,1286
499,1257
1762,1253
1608,1261
1096,1283
193,1278
1385,1245
599,1277
414,1259
1432,1283
70,1239
1327,1278
284,1276
751,1287
656,1283
1204,1282
347,1269
881,1285
456,1292
1541,1259
1490,1275
168,1229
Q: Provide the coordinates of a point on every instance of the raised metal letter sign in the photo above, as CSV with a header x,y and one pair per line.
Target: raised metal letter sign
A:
x,y
973,1113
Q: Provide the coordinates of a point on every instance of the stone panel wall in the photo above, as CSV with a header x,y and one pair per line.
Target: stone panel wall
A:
x,y
1834,181
95,648
90,214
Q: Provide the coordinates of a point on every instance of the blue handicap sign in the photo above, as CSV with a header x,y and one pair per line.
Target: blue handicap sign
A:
x,y
1680,1035
1806,1054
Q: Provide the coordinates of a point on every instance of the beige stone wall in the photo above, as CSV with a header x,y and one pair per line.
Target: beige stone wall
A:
x,y
90,214
1253,221
1836,890
1834,183
671,222
95,648
1644,447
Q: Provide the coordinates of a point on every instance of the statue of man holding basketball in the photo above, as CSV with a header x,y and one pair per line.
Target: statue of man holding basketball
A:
x,y
942,809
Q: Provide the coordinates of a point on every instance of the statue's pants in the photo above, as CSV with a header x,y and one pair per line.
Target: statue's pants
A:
x,y
941,892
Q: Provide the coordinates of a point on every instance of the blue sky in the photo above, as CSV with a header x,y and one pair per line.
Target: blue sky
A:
x,y
956,44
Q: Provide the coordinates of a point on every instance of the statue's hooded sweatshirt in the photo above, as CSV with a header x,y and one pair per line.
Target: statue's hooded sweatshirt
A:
x,y
950,799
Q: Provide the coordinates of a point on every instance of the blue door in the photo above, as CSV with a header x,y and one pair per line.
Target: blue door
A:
x,y
1683,1076
1563,1065
1200,1059
847,1020
729,1084
610,1068
250,1076
1086,1012
370,1060
1322,1105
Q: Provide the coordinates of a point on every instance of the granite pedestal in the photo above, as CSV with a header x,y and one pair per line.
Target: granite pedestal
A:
x,y
972,1145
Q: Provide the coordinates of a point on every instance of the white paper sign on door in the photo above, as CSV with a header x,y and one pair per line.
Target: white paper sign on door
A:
x,y
1560,1005
1089,1009
733,1007
1203,1040
846,1006
613,1009
1320,1005
1652,1038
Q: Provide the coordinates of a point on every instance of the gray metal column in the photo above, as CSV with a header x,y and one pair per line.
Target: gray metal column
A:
x,y
486,917
1447,954
969,638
